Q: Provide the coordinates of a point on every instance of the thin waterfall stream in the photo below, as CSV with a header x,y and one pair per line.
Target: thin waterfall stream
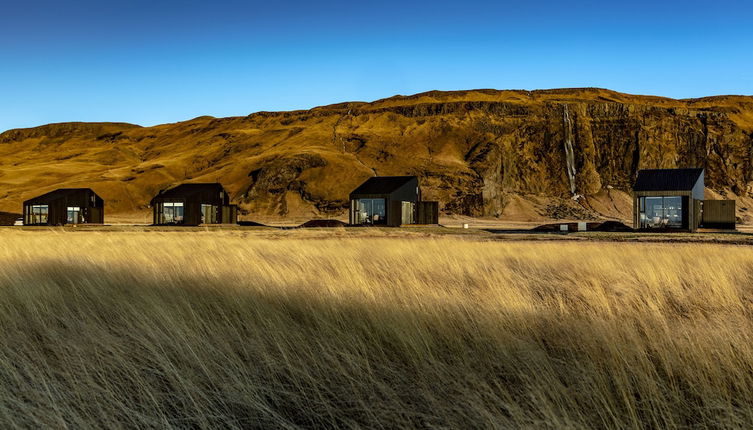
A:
x,y
569,152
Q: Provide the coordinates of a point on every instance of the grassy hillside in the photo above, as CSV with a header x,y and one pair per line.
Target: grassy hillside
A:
x,y
176,330
480,153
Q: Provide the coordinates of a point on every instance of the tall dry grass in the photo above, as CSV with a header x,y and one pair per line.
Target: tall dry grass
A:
x,y
227,329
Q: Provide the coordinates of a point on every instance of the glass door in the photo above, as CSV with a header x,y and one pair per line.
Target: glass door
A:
x,y
172,213
408,209
661,212
371,211
208,214
39,214
74,215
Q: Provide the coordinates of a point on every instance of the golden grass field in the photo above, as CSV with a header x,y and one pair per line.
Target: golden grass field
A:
x,y
238,329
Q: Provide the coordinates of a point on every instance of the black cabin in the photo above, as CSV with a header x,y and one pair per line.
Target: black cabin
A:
x,y
673,199
194,204
65,206
391,201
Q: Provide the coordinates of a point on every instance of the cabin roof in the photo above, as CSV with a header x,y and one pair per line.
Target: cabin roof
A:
x,y
382,184
57,194
667,179
184,190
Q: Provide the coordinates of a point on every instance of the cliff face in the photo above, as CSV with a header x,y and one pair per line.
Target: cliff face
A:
x,y
480,153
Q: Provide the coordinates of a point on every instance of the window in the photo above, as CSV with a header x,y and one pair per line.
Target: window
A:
x,y
74,215
172,213
661,212
370,211
38,214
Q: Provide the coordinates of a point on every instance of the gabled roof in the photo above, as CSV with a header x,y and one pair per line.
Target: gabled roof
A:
x,y
60,193
667,179
184,190
382,184
189,190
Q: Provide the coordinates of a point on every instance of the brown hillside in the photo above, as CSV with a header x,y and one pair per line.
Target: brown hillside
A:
x,y
480,153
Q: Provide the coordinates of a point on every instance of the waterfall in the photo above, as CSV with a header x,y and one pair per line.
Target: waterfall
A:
x,y
569,153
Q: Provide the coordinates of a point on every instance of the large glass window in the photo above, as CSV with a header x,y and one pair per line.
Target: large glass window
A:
x,y
38,214
74,215
370,211
172,212
661,212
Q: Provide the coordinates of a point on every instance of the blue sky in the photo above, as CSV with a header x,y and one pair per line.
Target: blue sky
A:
x,y
159,61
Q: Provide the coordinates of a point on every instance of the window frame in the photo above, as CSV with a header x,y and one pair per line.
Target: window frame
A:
x,y
36,212
78,211
667,220
173,205
366,205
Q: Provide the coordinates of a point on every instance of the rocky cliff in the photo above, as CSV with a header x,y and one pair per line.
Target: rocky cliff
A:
x,y
570,153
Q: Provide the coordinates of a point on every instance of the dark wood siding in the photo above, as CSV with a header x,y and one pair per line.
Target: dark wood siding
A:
x,y
718,214
686,211
394,211
97,215
229,214
409,192
427,213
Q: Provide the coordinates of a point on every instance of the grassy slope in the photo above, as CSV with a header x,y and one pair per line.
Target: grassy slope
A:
x,y
128,164
167,329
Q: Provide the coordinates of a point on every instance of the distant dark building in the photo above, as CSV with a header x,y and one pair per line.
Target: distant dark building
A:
x,y
65,206
391,201
673,199
194,204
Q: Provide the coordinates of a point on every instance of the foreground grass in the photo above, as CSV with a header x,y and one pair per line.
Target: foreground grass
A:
x,y
223,329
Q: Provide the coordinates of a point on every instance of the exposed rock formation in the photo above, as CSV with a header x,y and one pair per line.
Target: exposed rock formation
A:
x,y
480,153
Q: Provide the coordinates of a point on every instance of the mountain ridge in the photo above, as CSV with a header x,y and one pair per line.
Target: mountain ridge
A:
x,y
400,97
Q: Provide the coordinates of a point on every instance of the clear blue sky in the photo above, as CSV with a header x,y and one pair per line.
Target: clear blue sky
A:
x,y
159,61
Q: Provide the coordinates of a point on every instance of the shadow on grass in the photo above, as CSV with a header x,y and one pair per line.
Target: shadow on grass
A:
x,y
88,347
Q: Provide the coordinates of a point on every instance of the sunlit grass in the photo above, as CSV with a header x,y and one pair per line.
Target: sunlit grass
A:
x,y
209,329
